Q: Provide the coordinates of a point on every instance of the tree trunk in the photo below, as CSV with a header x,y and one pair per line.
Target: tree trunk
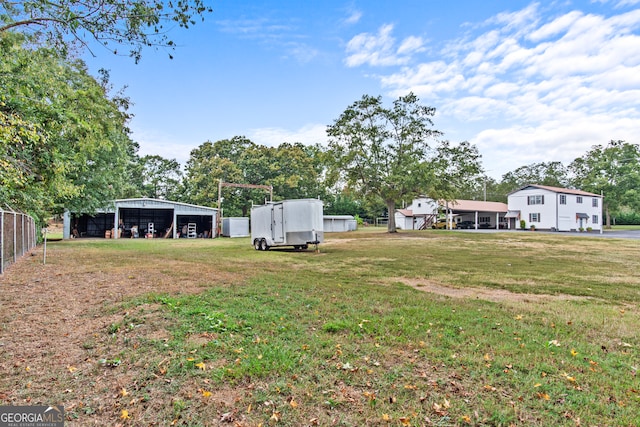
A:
x,y
608,215
391,210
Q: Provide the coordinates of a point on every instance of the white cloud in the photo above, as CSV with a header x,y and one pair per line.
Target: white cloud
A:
x,y
354,17
380,49
546,87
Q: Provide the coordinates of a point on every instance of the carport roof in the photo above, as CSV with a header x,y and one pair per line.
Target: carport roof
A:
x,y
476,206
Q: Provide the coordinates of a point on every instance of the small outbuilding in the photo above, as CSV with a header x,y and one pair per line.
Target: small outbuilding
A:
x,y
338,223
235,227
143,217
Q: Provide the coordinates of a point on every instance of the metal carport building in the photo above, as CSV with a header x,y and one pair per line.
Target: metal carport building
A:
x,y
150,217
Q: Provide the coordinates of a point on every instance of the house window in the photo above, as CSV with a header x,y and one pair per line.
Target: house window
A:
x,y
484,219
594,219
534,217
578,199
594,202
535,200
563,199
419,205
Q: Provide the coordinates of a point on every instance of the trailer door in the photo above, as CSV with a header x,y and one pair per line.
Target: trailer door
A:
x,y
278,223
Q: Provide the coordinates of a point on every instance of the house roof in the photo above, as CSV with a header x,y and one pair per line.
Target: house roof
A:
x,y
405,212
476,206
557,190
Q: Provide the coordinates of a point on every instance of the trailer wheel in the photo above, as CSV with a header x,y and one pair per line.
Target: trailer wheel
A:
x,y
304,247
256,244
263,245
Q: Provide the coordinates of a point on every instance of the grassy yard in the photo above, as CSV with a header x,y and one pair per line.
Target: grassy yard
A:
x,y
413,329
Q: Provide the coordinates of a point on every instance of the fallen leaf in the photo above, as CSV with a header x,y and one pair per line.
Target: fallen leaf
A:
x,y
543,396
386,417
205,393
123,392
201,365
574,353
124,415
406,421
293,403
72,368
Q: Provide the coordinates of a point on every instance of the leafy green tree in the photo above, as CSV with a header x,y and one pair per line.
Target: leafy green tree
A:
x,y
451,169
612,170
553,174
136,23
383,152
161,177
210,163
67,142
293,170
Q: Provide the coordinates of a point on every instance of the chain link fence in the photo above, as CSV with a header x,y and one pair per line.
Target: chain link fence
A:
x,y
17,236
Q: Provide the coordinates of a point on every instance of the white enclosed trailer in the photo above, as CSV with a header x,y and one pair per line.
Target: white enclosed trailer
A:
x,y
297,223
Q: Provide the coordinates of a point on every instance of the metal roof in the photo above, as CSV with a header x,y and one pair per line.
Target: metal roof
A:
x,y
558,190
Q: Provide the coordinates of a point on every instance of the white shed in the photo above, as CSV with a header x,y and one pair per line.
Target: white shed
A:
x,y
235,227
338,223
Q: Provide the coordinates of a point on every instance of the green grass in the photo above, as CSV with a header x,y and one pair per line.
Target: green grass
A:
x,y
338,338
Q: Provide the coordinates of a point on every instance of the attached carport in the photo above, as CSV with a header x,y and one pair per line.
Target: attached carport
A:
x,y
482,214
144,217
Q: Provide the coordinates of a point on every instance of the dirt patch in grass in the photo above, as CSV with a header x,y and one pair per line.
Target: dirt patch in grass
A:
x,y
494,295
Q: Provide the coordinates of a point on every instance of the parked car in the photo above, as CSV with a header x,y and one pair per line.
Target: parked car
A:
x,y
468,225
485,225
442,224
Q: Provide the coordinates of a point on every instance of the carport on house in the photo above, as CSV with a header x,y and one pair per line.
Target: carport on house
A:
x,y
146,218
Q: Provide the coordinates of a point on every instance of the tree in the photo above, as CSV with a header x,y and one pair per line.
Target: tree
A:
x,y
207,165
160,177
137,23
66,143
293,170
613,171
452,168
382,151
553,174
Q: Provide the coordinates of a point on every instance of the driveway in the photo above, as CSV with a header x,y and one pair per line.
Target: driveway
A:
x,y
616,234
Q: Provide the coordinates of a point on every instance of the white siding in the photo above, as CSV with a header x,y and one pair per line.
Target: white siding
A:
x,y
423,206
553,214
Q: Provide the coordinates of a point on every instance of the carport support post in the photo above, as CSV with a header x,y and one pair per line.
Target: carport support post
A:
x,y
175,224
476,220
116,216
497,220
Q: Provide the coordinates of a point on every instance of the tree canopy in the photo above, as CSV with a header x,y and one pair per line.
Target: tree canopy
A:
x,y
65,141
384,153
614,171
112,23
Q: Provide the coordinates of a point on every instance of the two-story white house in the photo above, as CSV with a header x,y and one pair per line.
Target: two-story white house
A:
x,y
554,208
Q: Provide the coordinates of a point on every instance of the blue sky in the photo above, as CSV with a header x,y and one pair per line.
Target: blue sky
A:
x,y
524,81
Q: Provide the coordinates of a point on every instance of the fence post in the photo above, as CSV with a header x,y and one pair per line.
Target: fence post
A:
x,y
15,237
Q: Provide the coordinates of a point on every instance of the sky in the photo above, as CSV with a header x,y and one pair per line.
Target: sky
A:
x,y
524,81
